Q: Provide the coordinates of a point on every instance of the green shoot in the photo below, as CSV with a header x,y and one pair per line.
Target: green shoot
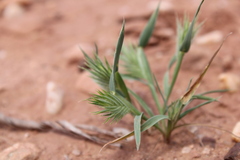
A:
x,y
114,98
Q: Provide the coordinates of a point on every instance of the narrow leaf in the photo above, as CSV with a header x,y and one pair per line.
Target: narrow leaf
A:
x,y
146,125
166,83
147,32
159,89
143,104
112,85
187,96
147,74
122,86
202,97
214,91
137,130
187,39
152,121
118,139
192,109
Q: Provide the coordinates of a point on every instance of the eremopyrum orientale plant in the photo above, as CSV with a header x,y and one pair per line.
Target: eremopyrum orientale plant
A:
x,y
115,98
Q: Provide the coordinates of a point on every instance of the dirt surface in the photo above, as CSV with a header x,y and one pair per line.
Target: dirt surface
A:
x,y
34,48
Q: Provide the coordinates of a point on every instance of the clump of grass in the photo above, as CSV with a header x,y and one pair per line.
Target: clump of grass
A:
x,y
114,99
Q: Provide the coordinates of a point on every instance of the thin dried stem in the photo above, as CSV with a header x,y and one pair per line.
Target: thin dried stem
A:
x,y
62,127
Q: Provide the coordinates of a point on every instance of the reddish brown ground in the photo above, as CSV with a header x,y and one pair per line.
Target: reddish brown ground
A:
x,y
35,44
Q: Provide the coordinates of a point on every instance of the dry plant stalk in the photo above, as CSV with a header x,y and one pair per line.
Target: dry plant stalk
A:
x,y
62,127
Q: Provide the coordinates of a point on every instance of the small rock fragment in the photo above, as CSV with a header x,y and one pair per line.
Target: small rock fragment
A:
x,y
86,84
233,153
236,131
74,54
54,101
76,152
20,151
212,37
187,149
229,81
123,131
206,151
208,141
13,10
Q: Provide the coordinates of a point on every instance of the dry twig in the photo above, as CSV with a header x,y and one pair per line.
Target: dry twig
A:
x,y
62,127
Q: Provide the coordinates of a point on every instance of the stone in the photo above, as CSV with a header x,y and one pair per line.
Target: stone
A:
x,y
20,151
187,149
85,84
229,81
24,25
209,38
206,151
76,152
211,142
236,131
74,55
13,10
233,153
54,100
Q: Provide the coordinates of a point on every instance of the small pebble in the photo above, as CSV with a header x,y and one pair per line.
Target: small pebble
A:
x,y
20,151
76,152
236,131
209,38
26,135
233,153
187,149
13,10
54,101
229,81
206,151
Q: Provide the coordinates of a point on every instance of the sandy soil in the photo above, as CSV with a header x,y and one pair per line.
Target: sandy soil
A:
x,y
34,46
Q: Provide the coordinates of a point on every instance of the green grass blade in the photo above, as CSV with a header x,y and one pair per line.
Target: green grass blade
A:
x,y
192,109
122,86
201,97
152,121
159,89
147,32
137,129
166,83
143,104
146,125
147,74
213,91
188,38
112,85
172,61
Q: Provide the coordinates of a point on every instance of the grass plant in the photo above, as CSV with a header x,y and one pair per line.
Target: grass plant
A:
x,y
115,98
